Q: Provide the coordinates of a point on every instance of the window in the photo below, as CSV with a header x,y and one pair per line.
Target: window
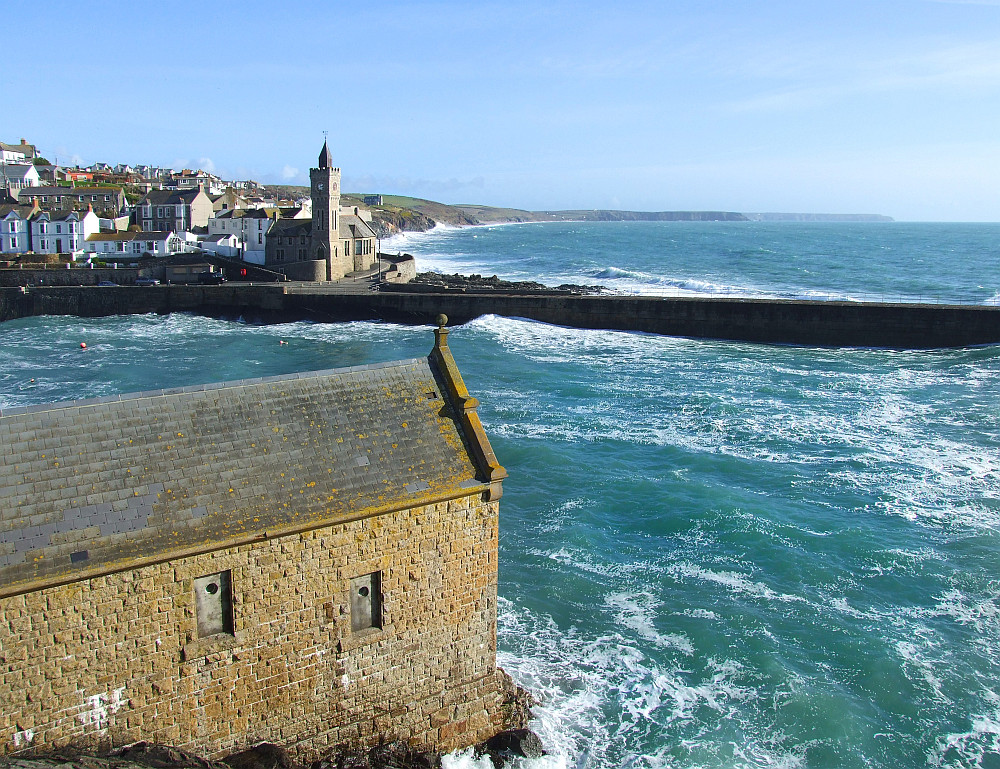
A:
x,y
366,601
279,255
43,228
260,237
213,599
150,246
13,241
43,244
58,229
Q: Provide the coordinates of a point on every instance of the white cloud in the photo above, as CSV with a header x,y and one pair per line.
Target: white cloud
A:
x,y
289,172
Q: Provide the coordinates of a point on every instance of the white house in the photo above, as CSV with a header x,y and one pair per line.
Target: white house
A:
x,y
15,229
134,243
18,153
250,226
221,245
17,176
62,232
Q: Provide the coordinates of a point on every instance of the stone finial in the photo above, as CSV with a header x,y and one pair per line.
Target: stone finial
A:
x,y
441,333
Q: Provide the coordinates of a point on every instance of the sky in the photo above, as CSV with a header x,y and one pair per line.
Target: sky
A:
x,y
823,107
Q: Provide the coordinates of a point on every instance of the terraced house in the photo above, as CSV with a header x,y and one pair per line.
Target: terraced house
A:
x,y
173,210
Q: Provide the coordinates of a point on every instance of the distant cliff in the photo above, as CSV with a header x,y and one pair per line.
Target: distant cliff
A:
x,y
644,216
387,222
776,217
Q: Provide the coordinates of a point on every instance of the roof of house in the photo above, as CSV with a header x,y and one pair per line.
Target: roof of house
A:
x,y
170,197
17,170
354,227
248,213
290,227
113,483
28,150
60,215
118,237
21,210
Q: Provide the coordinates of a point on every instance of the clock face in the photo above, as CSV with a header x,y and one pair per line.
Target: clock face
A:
x,y
319,186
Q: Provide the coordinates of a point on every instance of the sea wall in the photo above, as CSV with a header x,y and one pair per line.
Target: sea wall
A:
x,y
834,324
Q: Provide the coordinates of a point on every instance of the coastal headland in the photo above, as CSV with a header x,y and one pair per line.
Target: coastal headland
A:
x,y
771,321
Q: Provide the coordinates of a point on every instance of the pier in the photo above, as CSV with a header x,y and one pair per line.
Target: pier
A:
x,y
771,321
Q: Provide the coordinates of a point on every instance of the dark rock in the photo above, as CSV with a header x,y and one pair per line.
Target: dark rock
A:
x,y
513,743
388,755
478,284
162,757
515,702
263,756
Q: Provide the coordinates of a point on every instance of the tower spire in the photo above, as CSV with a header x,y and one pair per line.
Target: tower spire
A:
x,y
325,160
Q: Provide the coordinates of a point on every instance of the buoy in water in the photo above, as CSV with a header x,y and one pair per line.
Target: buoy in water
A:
x,y
83,345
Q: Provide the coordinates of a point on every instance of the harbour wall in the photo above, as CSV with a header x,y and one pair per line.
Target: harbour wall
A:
x,y
833,324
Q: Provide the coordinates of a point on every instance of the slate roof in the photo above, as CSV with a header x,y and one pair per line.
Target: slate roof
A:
x,y
354,227
88,487
16,170
127,236
170,197
21,210
290,227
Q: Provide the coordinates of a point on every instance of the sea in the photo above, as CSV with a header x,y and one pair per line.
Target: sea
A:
x,y
712,554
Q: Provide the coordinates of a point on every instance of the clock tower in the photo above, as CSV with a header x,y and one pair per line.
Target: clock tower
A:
x,y
325,194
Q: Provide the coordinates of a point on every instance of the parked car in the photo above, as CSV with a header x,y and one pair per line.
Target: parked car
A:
x,y
107,283
211,278
147,282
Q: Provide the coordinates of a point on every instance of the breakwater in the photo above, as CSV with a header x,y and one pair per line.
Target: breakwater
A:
x,y
819,323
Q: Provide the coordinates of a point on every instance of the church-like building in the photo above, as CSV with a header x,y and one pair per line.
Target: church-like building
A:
x,y
331,245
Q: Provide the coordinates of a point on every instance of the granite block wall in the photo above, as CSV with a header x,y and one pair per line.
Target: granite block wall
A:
x,y
118,658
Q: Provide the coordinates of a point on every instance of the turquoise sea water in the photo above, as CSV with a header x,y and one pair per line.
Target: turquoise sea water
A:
x,y
712,554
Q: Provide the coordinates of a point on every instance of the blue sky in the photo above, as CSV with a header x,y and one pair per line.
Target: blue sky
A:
x,y
841,107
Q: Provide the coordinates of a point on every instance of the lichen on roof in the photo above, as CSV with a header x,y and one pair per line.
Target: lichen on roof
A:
x,y
112,482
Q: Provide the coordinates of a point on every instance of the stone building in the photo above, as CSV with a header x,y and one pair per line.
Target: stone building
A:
x,y
173,210
336,243
307,560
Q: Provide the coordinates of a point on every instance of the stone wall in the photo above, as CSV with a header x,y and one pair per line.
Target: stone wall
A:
x,y
77,276
117,658
314,270
859,324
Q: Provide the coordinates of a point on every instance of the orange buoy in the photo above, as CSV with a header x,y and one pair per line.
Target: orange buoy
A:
x,y
83,345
